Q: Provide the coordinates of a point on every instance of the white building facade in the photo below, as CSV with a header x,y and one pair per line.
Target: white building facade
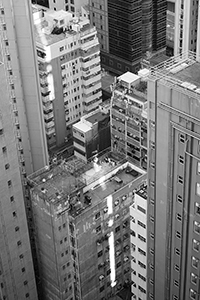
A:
x,y
70,74
187,26
138,245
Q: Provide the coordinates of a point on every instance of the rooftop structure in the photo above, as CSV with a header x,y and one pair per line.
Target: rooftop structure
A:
x,y
181,72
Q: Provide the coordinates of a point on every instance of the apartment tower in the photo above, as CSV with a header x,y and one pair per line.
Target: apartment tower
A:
x,y
187,26
174,180
69,69
128,30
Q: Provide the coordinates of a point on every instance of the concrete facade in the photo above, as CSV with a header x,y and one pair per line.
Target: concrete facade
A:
x,y
187,27
81,215
173,179
19,56
17,276
138,239
129,117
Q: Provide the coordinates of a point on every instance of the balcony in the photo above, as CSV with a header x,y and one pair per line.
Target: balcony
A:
x,y
49,124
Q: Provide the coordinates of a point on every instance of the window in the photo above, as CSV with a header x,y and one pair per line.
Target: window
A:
x,y
198,189
7,166
141,238
141,251
100,253
141,224
118,264
11,198
152,235
176,283
141,209
14,214
19,243
151,281
178,234
141,264
4,149
198,168
194,278
178,217
23,270
180,180
9,183
176,267
98,229
97,216
17,228
21,256
192,294
197,227
175,297
197,208
195,262
181,138
151,251
59,228
25,282
177,251
132,232
101,289
27,295
196,245
141,289
181,159
179,198
117,229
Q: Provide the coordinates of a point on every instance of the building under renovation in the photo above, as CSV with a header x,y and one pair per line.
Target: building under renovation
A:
x,y
82,229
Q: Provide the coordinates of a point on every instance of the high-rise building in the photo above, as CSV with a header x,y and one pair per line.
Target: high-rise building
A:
x,y
69,69
128,30
128,112
18,54
170,27
16,266
138,242
82,227
187,26
174,179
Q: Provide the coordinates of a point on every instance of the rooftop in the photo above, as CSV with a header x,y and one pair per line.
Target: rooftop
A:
x,y
44,35
82,127
128,77
96,117
62,184
181,71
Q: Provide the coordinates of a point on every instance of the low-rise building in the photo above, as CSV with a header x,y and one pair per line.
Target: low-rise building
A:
x,y
91,135
82,227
